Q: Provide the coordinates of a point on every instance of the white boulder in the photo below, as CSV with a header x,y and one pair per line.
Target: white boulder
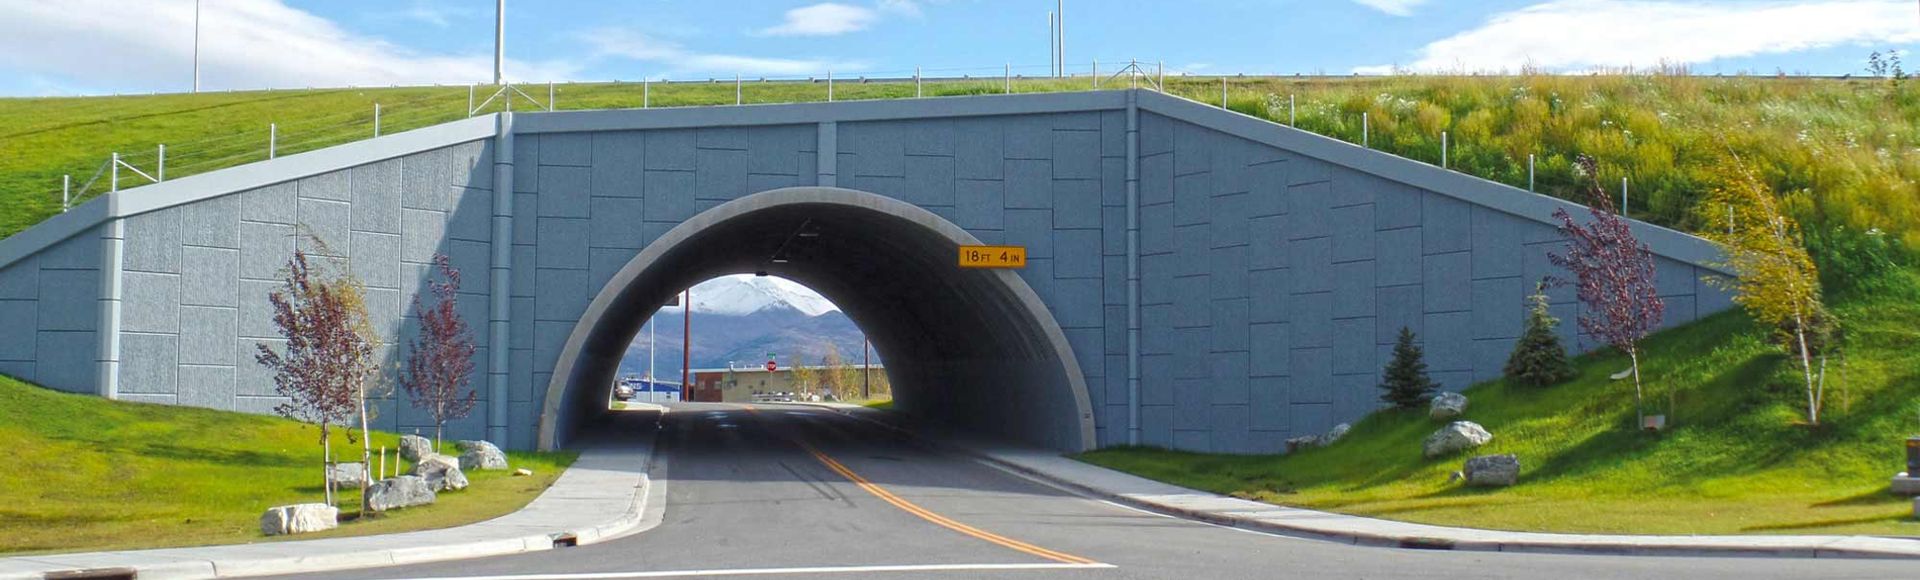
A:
x,y
414,447
1447,406
299,519
481,455
1455,436
399,492
347,475
441,472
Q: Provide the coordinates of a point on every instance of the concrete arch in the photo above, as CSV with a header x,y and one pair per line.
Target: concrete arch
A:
x,y
974,348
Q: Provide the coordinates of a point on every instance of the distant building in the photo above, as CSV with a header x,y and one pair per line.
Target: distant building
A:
x,y
750,384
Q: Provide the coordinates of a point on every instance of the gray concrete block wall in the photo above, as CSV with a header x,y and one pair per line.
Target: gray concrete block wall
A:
x,y
50,308
196,276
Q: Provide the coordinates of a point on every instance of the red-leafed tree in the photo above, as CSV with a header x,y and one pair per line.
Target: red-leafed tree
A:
x,y
1613,276
440,358
326,355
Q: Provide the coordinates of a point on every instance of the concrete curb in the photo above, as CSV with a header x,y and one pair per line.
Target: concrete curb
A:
x,y
1303,523
229,561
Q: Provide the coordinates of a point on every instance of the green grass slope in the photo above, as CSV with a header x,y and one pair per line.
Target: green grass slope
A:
x,y
1739,458
85,474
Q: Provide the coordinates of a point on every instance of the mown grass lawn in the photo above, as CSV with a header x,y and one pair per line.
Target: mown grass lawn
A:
x,y
1740,458
85,474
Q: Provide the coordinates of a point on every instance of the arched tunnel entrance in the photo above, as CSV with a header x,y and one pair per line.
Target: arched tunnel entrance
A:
x,y
974,349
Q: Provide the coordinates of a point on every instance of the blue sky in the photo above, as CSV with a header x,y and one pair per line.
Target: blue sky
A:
x,y
107,46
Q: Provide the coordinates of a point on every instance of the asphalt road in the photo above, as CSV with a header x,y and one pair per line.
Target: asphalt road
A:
x,y
793,491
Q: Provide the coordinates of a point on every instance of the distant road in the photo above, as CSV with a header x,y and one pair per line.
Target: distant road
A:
x,y
773,490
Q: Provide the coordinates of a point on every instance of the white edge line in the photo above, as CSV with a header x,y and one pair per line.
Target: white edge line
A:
x,y
779,571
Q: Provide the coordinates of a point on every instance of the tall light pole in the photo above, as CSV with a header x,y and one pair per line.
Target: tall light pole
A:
x,y
1050,46
196,46
650,332
686,337
1060,35
499,38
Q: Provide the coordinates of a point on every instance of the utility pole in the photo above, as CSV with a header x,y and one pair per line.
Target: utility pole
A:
x,y
651,327
1060,35
866,369
196,46
499,38
686,337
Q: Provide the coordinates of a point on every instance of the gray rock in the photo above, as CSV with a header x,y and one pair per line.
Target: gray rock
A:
x,y
399,492
414,447
347,475
1335,434
1904,484
1455,436
1492,470
442,472
1302,442
1447,406
299,519
481,455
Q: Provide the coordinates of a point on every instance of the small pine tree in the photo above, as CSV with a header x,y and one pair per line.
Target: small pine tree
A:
x,y
1538,358
1407,386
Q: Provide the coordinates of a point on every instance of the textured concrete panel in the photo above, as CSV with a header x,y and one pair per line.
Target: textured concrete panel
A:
x,y
1270,348
331,186
21,280
472,164
1312,375
1267,189
209,276
670,196
1311,215
206,335
1229,220
722,174
1076,154
616,223
327,224
978,149
153,242
1032,228
66,360
929,181
1353,235
1227,270
213,222
151,302
1399,306
1499,307
1229,325
1192,199
526,164
1396,206
1312,263
564,191
377,197
1269,399
1496,244
1268,243
1448,341
562,295
423,236
16,343
273,204
148,363
1268,291
1156,179
1229,375
563,243
69,300
1311,316
570,149
1029,184
1076,203
1446,224
472,215
1076,254
210,387
376,259
979,204
1353,346
1353,289
256,313
1447,279
1397,259
250,377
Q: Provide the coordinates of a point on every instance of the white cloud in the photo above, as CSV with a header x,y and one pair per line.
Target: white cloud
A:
x,y
633,45
827,19
1571,35
1394,7
243,44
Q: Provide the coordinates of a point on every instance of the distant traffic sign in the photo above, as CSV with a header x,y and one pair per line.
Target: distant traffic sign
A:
x,y
993,256
770,366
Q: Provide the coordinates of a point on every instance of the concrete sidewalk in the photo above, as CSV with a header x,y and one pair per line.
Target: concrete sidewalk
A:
x,y
1170,499
602,496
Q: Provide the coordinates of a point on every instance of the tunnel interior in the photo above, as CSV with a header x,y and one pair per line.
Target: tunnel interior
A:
x,y
973,349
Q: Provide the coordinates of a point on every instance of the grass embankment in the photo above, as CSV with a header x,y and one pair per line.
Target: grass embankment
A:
x,y
1739,458
882,404
1848,149
85,474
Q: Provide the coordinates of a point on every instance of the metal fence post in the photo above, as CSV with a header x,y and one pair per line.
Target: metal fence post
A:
x,y
1623,197
1160,69
829,86
1366,127
1133,74
160,166
66,197
646,92
1096,74
1529,172
1443,149
736,89
469,101
273,138
550,103
113,179
916,82
376,119
1223,91
1290,117
1009,78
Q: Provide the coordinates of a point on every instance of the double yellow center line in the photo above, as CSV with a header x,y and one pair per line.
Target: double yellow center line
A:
x,y
925,514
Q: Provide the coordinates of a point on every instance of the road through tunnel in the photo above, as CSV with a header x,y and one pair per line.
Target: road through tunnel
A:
x,y
970,348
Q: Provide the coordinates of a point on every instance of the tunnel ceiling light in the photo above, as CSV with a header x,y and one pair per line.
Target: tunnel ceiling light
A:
x,y
779,260
809,234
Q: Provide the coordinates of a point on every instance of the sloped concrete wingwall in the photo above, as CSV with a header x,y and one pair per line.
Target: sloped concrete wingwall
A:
x,y
50,313
1275,283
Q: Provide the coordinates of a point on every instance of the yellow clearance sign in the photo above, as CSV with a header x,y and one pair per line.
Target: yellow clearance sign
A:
x,y
993,256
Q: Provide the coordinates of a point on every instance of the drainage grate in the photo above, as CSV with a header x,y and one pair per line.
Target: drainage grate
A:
x,y
565,540
94,574
1426,544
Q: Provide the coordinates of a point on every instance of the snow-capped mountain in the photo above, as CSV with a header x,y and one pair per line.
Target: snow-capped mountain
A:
x,y
739,319
743,294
